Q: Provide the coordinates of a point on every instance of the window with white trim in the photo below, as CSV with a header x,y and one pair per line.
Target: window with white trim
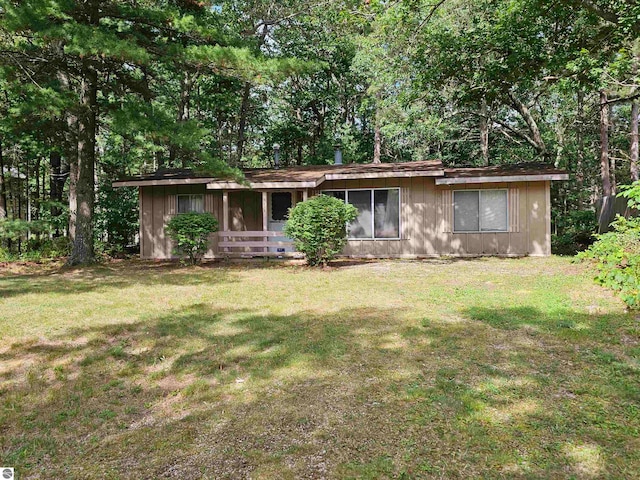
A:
x,y
191,203
480,211
378,212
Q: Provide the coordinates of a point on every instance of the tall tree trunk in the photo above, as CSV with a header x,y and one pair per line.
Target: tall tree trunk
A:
x,y
580,152
186,83
634,142
43,181
484,131
242,124
560,143
70,145
148,98
377,144
612,158
55,190
536,138
81,191
19,205
185,97
605,174
27,196
3,191
185,104
36,210
299,153
56,185
377,136
606,209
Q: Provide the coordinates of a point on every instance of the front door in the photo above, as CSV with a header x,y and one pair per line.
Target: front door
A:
x,y
279,207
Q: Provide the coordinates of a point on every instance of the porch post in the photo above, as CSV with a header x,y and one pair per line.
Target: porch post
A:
x,y
305,194
225,215
265,217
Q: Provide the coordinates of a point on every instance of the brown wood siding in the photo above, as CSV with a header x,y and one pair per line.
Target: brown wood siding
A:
x,y
426,219
157,205
245,212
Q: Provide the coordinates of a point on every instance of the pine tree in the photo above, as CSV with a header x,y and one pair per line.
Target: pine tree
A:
x,y
95,57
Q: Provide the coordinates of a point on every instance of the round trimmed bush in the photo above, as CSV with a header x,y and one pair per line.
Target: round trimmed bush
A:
x,y
318,227
190,231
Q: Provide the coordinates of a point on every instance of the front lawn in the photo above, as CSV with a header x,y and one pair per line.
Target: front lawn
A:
x,y
438,369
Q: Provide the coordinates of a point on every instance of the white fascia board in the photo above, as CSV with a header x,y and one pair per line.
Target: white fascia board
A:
x,y
153,183
502,179
372,175
262,185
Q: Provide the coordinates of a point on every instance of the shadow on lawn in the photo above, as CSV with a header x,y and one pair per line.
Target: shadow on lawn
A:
x,y
444,260
204,393
227,338
556,321
609,342
115,276
70,396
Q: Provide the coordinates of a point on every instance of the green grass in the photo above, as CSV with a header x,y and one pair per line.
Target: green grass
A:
x,y
485,368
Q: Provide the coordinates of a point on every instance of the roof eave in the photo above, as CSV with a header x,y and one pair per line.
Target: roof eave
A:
x,y
392,174
224,185
217,184
160,182
502,179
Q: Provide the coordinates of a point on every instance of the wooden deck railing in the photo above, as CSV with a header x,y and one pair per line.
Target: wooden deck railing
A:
x,y
252,242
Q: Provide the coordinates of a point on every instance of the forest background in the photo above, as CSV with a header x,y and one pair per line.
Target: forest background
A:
x,y
91,91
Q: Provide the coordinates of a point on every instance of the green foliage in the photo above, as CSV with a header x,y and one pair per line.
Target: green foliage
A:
x,y
190,231
5,255
318,227
39,249
182,84
40,246
15,229
116,218
575,231
616,255
56,247
56,214
631,193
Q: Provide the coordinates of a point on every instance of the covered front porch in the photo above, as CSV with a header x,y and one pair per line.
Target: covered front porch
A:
x,y
252,221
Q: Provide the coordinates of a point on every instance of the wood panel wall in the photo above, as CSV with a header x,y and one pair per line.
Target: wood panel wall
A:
x,y
426,220
158,204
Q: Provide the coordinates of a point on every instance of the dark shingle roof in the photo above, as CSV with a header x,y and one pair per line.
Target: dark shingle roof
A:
x,y
315,174
308,173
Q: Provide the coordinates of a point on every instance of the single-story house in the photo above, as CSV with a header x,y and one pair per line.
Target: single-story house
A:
x,y
406,210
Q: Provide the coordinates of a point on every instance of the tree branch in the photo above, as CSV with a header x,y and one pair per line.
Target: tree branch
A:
x,y
526,115
522,135
599,11
630,98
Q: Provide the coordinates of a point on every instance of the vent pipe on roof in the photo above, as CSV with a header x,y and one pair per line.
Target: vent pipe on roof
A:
x,y
276,155
338,155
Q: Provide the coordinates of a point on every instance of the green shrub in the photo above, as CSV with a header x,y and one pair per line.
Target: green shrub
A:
x,y
38,249
318,227
55,214
57,247
16,229
5,255
575,232
616,254
190,231
116,220
631,193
